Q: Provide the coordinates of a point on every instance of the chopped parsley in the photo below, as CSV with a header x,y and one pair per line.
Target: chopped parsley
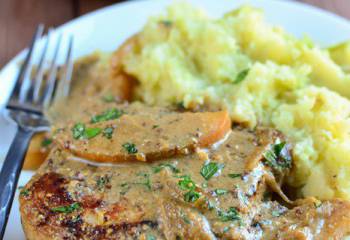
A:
x,y
186,183
278,157
108,132
81,132
235,175
241,76
24,192
231,215
155,126
158,168
166,23
92,132
102,181
220,191
147,183
191,196
46,142
180,105
125,188
317,204
110,114
78,131
130,148
210,169
67,209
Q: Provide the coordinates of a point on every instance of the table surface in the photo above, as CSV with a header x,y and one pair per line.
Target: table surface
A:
x,y
18,18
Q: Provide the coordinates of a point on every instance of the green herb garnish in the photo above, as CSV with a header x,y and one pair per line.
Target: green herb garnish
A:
x,y
24,192
78,131
317,204
125,188
155,126
91,132
191,196
278,157
67,209
102,181
180,105
210,169
158,168
46,142
81,132
110,114
166,23
186,183
220,192
235,175
231,215
108,132
130,148
147,183
241,76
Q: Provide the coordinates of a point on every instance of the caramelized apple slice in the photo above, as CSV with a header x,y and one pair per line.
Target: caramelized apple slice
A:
x,y
143,137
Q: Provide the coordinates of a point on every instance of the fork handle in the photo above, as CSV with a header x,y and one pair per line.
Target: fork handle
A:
x,y
10,172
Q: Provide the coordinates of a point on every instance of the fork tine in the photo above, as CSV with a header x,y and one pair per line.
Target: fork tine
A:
x,y
40,70
51,82
65,78
27,81
26,65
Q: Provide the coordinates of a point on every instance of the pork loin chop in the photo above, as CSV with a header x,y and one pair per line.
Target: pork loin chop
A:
x,y
216,193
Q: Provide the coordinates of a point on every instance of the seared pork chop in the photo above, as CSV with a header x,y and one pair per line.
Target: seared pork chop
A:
x,y
217,193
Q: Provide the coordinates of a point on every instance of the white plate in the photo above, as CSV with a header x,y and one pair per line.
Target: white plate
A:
x,y
107,28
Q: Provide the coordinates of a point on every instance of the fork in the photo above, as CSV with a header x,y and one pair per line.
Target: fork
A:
x,y
30,97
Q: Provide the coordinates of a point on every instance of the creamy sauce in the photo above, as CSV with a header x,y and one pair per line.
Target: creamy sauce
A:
x,y
146,189
221,191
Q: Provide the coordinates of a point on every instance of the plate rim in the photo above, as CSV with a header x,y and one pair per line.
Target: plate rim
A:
x,y
299,6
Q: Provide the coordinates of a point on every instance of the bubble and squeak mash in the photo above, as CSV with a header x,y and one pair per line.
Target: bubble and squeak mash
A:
x,y
262,76
198,128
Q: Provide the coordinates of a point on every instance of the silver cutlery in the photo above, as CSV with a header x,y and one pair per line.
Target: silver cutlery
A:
x,y
32,94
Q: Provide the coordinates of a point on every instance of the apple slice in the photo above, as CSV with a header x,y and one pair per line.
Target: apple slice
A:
x,y
142,137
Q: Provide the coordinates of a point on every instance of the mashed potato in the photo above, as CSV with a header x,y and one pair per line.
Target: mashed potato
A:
x,y
262,75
